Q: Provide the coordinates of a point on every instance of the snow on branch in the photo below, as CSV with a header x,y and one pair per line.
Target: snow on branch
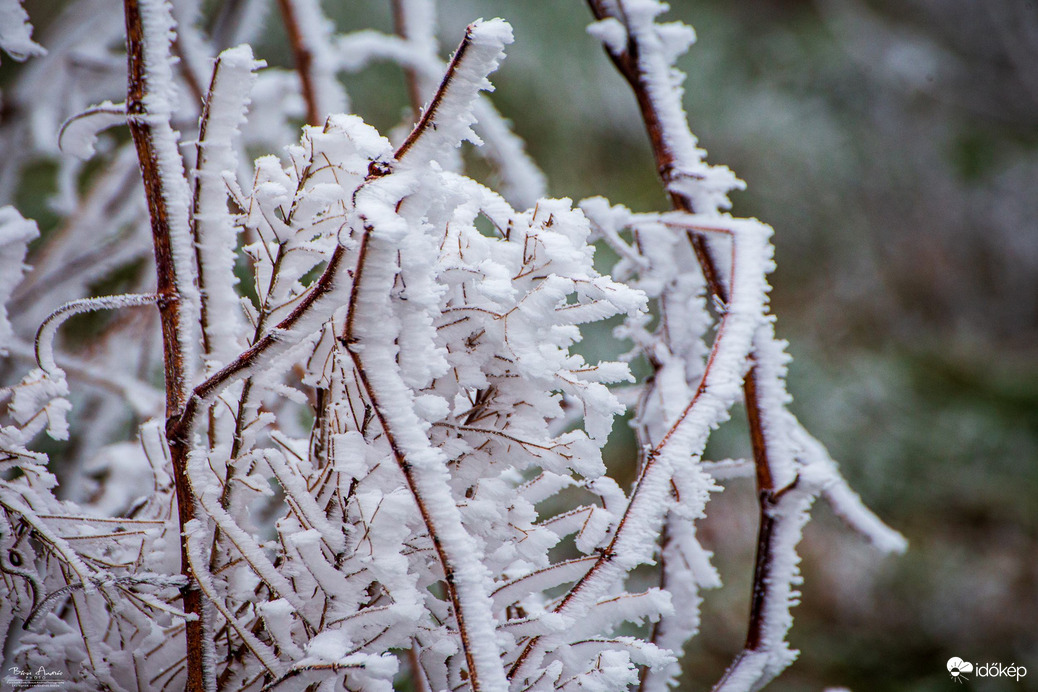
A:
x,y
448,118
522,182
16,233
381,453
644,51
213,229
151,103
47,331
78,134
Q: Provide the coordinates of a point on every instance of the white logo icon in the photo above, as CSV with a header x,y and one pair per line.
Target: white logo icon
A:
x,y
958,668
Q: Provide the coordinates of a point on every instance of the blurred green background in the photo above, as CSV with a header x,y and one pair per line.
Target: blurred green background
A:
x,y
894,148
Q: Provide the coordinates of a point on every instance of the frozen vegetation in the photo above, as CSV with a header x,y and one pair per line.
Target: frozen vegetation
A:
x,y
368,451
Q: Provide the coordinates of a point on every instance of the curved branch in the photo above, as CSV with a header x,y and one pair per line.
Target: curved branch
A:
x,y
85,126
44,343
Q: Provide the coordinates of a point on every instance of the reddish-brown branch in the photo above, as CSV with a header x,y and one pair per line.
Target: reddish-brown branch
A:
x,y
409,476
760,571
304,60
348,340
627,64
765,482
430,113
170,317
649,465
248,358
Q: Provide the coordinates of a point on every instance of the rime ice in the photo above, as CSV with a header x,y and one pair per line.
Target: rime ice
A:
x,y
391,447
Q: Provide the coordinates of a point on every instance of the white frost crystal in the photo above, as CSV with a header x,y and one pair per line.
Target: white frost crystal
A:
x,y
389,444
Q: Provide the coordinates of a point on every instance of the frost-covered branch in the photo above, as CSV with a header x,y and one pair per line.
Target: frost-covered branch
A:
x,y
381,450
150,105
522,182
644,52
445,122
44,348
213,230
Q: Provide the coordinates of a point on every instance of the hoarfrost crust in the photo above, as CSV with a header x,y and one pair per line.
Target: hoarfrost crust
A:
x,y
388,455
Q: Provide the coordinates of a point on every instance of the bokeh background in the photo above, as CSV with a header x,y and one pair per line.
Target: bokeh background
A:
x,y
893,146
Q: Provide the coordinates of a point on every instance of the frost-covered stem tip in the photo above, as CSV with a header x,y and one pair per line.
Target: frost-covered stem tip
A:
x,y
44,344
432,111
212,226
169,296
